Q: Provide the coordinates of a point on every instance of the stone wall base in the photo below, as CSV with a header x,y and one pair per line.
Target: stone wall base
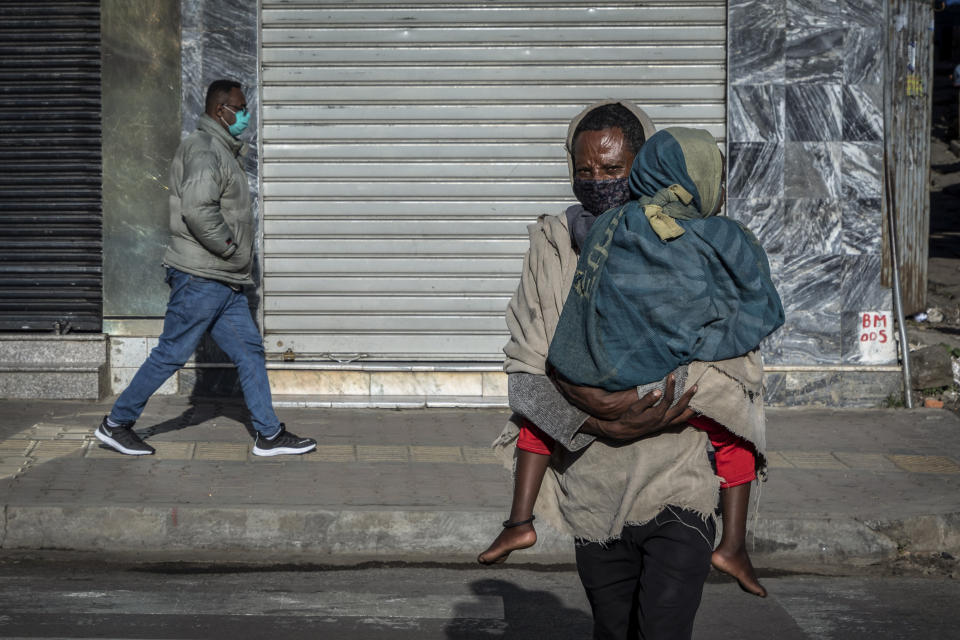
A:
x,y
209,374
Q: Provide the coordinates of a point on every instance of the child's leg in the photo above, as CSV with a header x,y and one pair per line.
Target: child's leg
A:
x,y
731,555
736,464
533,456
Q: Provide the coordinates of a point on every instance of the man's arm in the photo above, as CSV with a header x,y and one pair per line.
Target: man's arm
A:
x,y
538,400
647,415
606,405
200,193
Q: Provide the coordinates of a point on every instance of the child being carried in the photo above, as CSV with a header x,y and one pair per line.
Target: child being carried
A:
x,y
661,282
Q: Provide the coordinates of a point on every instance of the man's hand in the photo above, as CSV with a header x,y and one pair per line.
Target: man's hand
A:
x,y
645,416
605,405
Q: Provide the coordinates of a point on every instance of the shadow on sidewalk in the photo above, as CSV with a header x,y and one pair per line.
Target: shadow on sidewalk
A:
x,y
201,410
526,615
214,392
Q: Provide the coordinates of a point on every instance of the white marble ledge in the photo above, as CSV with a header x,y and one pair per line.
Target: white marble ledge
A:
x,y
389,402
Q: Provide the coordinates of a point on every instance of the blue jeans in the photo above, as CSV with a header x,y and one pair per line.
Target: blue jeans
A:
x,y
198,305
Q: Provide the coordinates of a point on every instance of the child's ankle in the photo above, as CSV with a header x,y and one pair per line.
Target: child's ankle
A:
x,y
731,549
519,522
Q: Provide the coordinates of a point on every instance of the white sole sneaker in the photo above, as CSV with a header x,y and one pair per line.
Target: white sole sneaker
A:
x,y
110,442
283,451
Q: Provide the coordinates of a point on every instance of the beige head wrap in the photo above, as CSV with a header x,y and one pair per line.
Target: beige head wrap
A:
x,y
645,122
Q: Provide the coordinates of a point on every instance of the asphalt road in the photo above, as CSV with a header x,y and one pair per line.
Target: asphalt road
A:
x,y
63,599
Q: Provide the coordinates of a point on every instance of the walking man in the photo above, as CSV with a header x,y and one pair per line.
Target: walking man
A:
x,y
208,262
638,493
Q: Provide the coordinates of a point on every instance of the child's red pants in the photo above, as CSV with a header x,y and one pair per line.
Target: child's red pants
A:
x,y
736,460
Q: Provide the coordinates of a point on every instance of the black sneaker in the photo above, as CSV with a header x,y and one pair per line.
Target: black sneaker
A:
x,y
284,443
123,439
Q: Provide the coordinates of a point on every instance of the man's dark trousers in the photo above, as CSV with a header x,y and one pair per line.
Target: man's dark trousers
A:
x,y
648,584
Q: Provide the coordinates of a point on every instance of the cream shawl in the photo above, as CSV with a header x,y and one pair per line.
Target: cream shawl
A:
x,y
594,492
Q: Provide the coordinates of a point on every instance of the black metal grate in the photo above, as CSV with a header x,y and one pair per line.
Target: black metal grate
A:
x,y
50,166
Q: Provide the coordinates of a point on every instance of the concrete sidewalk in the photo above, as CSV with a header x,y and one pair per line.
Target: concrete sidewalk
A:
x,y
845,486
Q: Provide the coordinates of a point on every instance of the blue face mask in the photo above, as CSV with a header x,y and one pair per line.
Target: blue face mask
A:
x,y
241,120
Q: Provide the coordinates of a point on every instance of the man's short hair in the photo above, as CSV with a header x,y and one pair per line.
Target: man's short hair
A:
x,y
608,116
218,93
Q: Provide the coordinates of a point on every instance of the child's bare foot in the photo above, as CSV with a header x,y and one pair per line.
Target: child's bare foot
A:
x,y
737,564
510,539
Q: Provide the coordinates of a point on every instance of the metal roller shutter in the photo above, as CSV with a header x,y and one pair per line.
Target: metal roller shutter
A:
x,y
406,147
50,247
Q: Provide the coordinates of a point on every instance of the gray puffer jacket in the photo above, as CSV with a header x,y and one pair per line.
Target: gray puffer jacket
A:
x,y
211,218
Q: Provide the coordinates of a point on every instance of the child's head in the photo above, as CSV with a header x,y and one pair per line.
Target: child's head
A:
x,y
687,157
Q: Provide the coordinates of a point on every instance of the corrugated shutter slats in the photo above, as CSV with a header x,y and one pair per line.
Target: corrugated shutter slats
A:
x,y
406,147
50,176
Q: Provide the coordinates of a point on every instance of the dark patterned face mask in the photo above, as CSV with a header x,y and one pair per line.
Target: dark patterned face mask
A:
x,y
597,196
